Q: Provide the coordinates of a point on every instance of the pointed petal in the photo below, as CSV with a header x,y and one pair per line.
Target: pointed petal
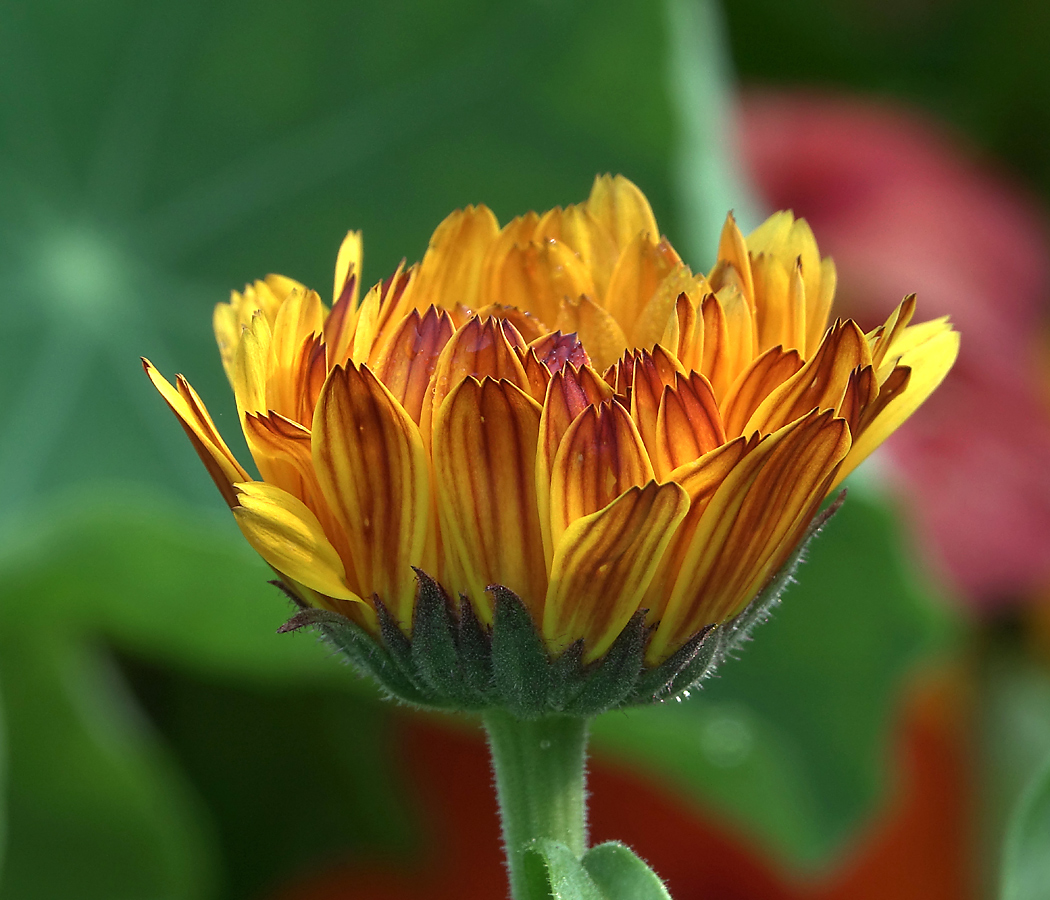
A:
x,y
641,268
649,375
688,424
748,527
578,229
452,266
537,276
484,469
225,471
820,384
755,383
733,251
569,393
652,322
600,333
603,565
621,208
299,319
480,349
411,357
373,470
288,536
600,457
348,265
728,337
252,365
929,362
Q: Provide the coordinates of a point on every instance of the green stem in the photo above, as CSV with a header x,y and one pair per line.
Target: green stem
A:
x,y
540,783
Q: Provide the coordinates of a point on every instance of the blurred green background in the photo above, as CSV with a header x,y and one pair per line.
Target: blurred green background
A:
x,y
159,741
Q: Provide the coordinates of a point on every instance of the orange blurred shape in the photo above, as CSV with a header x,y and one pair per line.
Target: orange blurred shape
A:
x,y
917,846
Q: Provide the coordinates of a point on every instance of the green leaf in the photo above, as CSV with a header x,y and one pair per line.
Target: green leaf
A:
x,y
1026,854
555,872
621,875
3,790
790,740
95,808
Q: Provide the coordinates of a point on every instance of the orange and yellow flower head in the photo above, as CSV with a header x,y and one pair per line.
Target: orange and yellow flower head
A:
x,y
560,407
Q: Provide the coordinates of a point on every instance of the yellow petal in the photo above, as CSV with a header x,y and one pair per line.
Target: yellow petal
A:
x,y
373,470
650,373
652,322
225,471
622,209
348,265
929,361
288,536
480,348
298,321
603,565
641,268
728,337
485,438
600,457
578,229
451,270
538,276
600,333
733,253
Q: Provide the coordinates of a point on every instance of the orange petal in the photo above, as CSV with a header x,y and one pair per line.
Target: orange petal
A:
x,y
520,231
649,375
373,470
621,208
755,383
728,338
527,325
549,354
688,424
603,565
749,526
641,268
411,357
600,457
820,384
699,478
481,349
733,253
299,319
569,393
288,536
485,469
225,471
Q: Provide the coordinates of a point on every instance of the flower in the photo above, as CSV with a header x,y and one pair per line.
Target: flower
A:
x,y
559,407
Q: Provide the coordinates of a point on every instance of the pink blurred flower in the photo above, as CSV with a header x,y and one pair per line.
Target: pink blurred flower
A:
x,y
902,206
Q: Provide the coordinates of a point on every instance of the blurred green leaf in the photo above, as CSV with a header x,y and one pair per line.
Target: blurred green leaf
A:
x,y
3,789
1026,854
95,808
161,580
791,740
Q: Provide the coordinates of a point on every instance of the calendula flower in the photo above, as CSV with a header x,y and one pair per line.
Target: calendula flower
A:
x,y
559,407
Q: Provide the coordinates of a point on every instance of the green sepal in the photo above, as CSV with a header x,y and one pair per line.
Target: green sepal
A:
x,y
683,668
435,649
399,648
567,680
362,650
619,874
612,678
475,650
521,669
